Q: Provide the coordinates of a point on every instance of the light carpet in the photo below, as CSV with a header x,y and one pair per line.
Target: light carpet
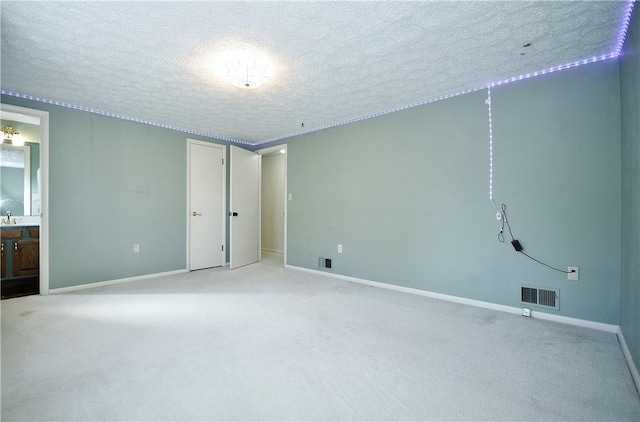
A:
x,y
266,343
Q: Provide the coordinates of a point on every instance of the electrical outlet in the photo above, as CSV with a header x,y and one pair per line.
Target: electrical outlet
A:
x,y
136,248
498,216
339,248
573,273
526,312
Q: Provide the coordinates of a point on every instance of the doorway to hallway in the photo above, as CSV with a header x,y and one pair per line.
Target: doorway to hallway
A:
x,y
273,203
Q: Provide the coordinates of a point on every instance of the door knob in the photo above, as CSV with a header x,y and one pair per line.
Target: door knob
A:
x,y
233,214
195,214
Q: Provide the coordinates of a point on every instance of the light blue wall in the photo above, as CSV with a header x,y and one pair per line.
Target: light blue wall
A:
x,y
557,167
112,184
630,104
407,193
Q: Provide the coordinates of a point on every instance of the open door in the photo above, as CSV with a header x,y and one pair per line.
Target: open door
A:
x,y
244,207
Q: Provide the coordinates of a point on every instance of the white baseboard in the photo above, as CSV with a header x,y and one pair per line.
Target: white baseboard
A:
x,y
601,326
272,250
627,354
110,282
610,328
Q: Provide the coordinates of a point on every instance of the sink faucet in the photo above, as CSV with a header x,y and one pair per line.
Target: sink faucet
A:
x,y
8,220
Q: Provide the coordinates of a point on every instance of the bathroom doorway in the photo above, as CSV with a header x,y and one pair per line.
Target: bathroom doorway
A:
x,y
24,201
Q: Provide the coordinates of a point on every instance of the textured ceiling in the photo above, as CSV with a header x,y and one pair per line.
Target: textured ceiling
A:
x,y
335,61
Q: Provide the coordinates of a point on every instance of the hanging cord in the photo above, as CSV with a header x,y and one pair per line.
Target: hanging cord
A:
x,y
546,265
505,221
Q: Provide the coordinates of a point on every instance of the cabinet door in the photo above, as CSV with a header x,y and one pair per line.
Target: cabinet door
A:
x,y
3,271
26,257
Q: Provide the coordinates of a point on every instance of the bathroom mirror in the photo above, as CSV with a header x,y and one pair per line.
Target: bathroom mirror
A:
x,y
19,173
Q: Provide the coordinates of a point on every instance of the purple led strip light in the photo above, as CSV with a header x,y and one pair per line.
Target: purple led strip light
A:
x,y
122,117
444,97
489,112
616,52
622,34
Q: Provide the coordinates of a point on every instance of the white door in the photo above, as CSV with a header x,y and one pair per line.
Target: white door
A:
x,y
244,207
206,205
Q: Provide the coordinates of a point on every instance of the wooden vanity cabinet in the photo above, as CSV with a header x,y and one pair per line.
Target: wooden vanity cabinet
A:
x,y
20,261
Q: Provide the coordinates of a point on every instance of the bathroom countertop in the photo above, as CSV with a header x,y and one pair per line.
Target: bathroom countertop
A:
x,y
22,222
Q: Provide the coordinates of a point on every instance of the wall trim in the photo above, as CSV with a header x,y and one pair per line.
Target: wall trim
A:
x,y
600,326
627,354
610,328
272,250
117,281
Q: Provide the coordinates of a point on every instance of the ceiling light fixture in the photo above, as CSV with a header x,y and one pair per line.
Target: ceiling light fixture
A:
x,y
12,135
245,68
617,52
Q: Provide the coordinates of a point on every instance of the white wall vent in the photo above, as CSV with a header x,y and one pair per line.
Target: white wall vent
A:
x,y
547,298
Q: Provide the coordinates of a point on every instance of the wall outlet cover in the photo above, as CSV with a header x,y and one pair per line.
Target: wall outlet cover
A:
x,y
573,273
526,312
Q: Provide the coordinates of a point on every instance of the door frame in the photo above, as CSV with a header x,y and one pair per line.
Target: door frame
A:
x,y
43,117
284,196
224,198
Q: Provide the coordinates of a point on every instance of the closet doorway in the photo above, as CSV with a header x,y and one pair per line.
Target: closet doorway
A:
x,y
206,222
